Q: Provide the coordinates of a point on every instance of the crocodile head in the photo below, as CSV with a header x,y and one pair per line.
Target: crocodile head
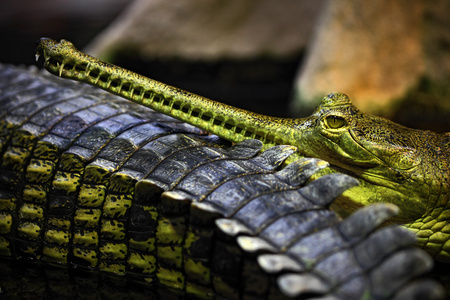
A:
x,y
394,163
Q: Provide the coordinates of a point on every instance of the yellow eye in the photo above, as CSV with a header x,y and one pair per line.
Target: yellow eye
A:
x,y
335,122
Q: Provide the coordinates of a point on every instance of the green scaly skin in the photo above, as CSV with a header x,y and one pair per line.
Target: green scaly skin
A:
x,y
403,166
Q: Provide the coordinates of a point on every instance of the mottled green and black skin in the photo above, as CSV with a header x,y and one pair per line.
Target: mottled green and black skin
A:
x,y
395,164
91,181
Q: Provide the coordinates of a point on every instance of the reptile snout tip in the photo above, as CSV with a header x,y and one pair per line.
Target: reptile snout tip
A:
x,y
43,46
39,48
44,42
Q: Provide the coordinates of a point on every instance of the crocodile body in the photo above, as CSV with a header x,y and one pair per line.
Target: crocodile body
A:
x,y
407,167
92,181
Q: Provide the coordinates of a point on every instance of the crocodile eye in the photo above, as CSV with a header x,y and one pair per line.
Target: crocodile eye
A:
x,y
335,122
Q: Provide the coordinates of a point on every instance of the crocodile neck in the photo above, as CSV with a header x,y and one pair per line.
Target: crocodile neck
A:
x,y
231,123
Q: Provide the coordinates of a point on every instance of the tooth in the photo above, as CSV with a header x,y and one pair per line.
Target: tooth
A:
x,y
87,70
60,68
37,56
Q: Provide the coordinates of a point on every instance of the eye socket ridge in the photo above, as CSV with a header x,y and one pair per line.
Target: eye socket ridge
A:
x,y
335,122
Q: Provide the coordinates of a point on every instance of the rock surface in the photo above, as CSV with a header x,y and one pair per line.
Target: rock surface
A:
x,y
390,57
211,29
375,52
370,51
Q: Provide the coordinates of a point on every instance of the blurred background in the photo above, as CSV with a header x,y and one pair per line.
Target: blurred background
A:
x,y
276,57
23,22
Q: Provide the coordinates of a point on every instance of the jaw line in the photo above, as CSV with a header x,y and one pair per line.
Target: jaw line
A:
x,y
356,165
359,170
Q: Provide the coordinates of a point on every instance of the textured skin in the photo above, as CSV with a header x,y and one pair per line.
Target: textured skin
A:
x,y
91,181
407,167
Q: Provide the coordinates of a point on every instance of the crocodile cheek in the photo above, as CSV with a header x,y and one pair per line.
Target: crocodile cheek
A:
x,y
397,157
341,151
410,206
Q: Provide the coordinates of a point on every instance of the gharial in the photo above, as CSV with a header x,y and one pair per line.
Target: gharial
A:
x,y
91,181
395,164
